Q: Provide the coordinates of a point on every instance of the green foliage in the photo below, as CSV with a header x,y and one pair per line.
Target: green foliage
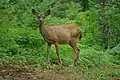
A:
x,y
88,22
109,16
57,21
21,43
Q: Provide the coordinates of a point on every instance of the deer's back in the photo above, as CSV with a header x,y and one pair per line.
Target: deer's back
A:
x,y
72,29
66,26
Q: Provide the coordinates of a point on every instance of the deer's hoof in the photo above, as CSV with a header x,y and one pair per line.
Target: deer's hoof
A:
x,y
60,62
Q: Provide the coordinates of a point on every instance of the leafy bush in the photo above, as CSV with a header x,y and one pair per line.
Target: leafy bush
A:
x,y
21,43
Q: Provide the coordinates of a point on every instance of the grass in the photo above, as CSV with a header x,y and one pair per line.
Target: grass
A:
x,y
93,65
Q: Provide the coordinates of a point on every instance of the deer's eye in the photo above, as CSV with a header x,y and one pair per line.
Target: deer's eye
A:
x,y
43,16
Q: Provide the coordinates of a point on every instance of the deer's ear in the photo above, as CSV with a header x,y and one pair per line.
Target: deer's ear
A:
x,y
34,11
48,12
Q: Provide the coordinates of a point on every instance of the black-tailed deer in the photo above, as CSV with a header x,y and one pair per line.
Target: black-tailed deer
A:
x,y
63,34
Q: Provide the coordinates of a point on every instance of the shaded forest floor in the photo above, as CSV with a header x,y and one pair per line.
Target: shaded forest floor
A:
x,y
20,72
10,71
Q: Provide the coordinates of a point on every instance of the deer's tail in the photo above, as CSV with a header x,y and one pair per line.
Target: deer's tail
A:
x,y
80,35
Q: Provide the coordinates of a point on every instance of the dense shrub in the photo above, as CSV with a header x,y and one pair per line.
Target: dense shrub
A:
x,y
20,38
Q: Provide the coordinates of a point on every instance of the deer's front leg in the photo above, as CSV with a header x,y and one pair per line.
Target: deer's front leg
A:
x,y
48,51
58,52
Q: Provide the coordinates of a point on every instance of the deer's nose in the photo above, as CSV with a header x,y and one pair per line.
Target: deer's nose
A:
x,y
38,16
40,19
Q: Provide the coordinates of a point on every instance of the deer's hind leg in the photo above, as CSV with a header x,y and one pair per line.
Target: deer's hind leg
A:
x,y
73,44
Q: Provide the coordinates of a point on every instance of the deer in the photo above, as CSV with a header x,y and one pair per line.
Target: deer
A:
x,y
63,34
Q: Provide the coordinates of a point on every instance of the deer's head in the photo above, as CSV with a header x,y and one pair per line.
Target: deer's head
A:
x,y
41,17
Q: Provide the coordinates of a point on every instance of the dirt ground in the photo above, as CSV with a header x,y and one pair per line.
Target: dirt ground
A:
x,y
16,73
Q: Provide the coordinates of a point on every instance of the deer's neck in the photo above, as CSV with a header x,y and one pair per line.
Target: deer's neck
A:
x,y
42,29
